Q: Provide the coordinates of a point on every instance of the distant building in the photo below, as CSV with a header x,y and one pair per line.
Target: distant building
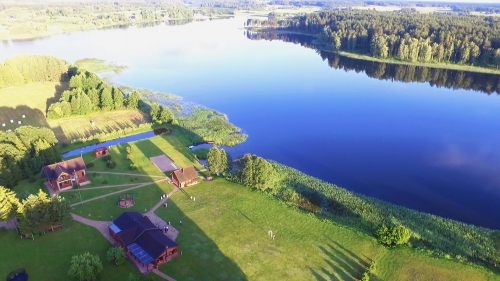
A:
x,y
185,176
101,151
64,175
139,237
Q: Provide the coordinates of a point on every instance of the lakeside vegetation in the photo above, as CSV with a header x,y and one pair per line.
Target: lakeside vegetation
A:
x,y
97,65
467,40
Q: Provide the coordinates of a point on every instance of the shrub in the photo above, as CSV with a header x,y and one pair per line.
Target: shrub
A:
x,y
368,271
105,182
64,144
90,165
116,255
106,158
133,166
395,235
85,266
129,149
128,157
111,164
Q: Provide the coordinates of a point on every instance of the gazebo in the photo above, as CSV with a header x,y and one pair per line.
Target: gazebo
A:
x,y
126,200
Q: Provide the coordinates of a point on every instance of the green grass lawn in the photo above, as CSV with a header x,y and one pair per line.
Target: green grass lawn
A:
x,y
107,209
73,195
24,187
172,147
141,151
48,257
224,236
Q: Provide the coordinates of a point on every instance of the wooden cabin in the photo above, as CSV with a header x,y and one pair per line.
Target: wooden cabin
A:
x,y
64,175
101,151
185,176
139,237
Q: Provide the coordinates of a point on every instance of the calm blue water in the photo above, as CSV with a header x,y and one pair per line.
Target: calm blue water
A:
x,y
429,148
109,143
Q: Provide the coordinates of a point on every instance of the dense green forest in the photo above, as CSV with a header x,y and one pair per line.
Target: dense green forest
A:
x,y
438,77
24,152
439,38
88,94
21,70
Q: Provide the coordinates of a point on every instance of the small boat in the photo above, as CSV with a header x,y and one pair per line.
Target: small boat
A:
x,y
191,146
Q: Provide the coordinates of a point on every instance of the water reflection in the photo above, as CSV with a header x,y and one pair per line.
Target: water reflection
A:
x,y
451,79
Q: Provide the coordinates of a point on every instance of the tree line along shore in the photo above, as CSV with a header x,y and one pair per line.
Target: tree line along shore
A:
x,y
463,41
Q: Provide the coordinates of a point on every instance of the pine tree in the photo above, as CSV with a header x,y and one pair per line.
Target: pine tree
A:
x,y
8,204
214,160
247,175
118,98
166,116
155,111
106,99
93,95
133,100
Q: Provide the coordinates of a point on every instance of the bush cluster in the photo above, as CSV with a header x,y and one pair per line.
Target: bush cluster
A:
x,y
111,164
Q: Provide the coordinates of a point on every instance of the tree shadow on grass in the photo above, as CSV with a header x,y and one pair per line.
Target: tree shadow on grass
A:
x,y
342,264
59,89
32,117
201,258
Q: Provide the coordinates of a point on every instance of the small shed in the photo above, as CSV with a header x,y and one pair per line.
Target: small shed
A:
x,y
101,151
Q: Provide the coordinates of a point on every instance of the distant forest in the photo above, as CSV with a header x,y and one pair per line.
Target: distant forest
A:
x,y
473,40
438,77
28,69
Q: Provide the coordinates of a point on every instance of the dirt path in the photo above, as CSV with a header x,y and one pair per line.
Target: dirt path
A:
x,y
98,187
8,224
163,275
116,192
102,226
127,174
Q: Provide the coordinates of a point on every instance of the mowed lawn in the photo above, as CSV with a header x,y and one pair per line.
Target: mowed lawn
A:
x,y
48,258
225,236
107,209
30,100
67,129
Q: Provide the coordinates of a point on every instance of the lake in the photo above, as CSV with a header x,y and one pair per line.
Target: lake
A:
x,y
413,136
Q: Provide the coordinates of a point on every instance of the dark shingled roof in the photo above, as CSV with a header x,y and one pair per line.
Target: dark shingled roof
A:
x,y
68,166
185,174
139,229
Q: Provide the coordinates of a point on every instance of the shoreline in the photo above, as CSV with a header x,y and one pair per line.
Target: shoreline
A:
x,y
28,37
458,67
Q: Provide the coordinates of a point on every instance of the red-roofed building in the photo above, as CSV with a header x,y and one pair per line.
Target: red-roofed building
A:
x,y
101,151
64,175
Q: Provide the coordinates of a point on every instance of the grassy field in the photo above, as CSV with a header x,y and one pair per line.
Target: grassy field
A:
x,y
30,100
141,151
47,258
33,100
225,233
224,236
107,209
70,128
